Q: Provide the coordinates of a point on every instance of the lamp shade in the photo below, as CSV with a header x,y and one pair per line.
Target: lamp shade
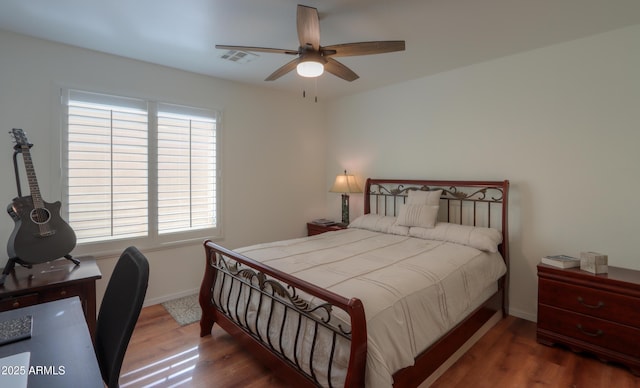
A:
x,y
345,184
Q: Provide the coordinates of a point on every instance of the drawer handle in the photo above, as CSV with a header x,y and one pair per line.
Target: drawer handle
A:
x,y
63,292
591,306
596,334
16,304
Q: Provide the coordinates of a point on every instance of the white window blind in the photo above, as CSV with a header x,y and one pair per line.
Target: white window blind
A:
x,y
139,169
186,170
107,167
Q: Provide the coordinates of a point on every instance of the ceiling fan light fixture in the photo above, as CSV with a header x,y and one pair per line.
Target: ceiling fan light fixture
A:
x,y
310,69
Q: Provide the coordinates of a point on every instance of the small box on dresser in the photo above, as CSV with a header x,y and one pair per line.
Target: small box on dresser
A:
x,y
594,262
598,314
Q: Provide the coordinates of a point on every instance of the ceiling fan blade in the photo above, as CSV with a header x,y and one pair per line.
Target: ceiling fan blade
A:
x,y
363,48
257,49
339,70
308,25
283,70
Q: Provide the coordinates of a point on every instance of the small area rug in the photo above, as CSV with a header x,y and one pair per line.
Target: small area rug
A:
x,y
184,310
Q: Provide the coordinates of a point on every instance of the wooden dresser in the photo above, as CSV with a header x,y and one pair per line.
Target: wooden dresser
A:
x,y
599,314
51,281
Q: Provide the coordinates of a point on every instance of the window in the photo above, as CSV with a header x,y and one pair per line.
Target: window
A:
x,y
139,172
186,171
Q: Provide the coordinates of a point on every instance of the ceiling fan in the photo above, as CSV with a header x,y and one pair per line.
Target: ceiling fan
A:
x,y
312,59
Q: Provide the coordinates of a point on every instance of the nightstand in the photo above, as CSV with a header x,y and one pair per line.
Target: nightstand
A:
x,y
313,229
599,314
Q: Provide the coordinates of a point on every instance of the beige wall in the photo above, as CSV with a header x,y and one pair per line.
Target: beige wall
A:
x,y
561,123
273,155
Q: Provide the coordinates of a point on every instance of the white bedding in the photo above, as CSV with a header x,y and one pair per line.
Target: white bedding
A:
x,y
413,289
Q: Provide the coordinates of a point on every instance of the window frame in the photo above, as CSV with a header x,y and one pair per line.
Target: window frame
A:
x,y
153,240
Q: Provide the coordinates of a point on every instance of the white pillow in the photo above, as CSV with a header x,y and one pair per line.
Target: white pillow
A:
x,y
485,239
421,209
379,223
419,197
423,216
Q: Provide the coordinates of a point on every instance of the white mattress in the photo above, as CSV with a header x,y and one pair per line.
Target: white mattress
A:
x,y
413,290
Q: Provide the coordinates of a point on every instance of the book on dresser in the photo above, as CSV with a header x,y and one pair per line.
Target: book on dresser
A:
x,y
323,222
561,261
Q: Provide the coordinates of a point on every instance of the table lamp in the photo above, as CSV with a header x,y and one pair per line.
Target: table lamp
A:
x,y
345,184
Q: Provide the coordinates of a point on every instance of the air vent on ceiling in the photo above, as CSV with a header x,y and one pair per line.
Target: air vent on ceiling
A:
x,y
238,56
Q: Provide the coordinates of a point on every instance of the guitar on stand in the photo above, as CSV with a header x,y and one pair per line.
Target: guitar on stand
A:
x,y
40,234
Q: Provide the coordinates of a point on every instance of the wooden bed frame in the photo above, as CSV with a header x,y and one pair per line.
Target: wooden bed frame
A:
x,y
465,202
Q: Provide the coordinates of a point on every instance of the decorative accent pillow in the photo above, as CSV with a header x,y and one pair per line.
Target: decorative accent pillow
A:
x,y
379,223
423,216
485,239
421,209
419,197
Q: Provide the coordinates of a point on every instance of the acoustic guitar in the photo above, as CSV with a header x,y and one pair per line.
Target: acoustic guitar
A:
x,y
40,234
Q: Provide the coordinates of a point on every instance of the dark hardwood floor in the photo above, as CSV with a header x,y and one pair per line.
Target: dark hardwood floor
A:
x,y
164,354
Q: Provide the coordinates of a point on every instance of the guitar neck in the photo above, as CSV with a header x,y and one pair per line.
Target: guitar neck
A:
x,y
31,177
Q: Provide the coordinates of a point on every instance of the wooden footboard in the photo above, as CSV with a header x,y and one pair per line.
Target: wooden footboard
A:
x,y
235,288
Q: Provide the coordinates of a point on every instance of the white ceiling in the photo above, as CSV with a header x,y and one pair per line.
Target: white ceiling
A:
x,y
440,34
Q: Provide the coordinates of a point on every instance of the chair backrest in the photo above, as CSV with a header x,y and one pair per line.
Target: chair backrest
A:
x,y
119,312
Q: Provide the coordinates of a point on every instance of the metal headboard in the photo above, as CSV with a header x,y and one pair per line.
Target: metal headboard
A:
x,y
460,203
476,203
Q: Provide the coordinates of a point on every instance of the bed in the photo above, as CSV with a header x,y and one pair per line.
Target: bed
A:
x,y
381,303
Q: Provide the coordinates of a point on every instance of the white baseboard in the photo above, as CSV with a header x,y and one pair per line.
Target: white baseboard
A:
x,y
164,298
523,314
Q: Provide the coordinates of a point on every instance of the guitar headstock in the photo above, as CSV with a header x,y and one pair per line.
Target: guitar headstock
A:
x,y
20,138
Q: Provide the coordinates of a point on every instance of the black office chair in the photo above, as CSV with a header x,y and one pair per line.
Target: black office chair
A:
x,y
119,312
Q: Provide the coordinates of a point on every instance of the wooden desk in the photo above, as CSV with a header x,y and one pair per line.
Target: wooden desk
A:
x,y
61,350
51,281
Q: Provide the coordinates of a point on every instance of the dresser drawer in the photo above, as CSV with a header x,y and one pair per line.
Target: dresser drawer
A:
x,y
18,301
595,331
597,303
